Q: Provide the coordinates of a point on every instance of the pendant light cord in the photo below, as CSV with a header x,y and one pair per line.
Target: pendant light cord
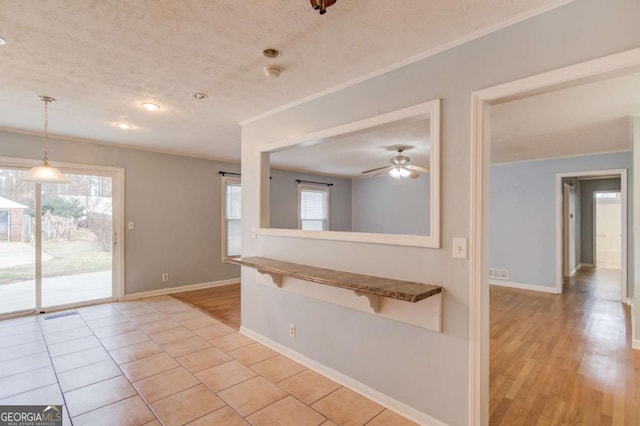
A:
x,y
46,131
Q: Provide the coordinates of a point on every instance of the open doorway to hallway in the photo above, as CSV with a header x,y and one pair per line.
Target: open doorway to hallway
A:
x,y
560,354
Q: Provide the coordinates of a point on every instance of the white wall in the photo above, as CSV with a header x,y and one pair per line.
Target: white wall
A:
x,y
173,200
523,214
425,370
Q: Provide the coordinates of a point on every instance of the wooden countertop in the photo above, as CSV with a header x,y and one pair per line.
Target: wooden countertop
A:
x,y
385,287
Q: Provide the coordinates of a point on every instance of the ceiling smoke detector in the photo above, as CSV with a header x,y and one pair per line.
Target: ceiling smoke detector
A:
x,y
200,96
272,72
271,53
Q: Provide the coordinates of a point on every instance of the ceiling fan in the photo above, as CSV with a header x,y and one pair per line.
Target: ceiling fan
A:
x,y
400,167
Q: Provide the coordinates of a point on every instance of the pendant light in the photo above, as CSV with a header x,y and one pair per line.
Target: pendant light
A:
x,y
45,173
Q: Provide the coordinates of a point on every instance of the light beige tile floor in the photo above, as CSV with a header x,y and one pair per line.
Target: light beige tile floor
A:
x,y
159,361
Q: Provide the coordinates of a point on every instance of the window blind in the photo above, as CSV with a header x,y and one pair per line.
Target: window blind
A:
x,y
314,209
233,228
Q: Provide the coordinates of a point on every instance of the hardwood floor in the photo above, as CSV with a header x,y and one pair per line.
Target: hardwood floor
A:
x,y
563,359
223,303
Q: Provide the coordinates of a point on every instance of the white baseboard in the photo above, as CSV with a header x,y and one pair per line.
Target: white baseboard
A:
x,y
574,270
524,286
346,381
180,289
585,265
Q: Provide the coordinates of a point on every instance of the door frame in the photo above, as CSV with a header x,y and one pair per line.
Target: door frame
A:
x,y
566,233
118,200
559,221
481,101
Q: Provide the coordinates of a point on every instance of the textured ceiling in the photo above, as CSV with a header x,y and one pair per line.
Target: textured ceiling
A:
x,y
586,119
350,154
101,58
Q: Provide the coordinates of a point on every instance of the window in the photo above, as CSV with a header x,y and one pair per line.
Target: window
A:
x,y
314,208
231,208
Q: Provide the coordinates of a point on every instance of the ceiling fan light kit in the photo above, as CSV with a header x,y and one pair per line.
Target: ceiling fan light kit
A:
x,y
400,167
45,173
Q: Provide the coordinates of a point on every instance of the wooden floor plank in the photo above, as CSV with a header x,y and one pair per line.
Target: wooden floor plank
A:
x,y
563,359
222,303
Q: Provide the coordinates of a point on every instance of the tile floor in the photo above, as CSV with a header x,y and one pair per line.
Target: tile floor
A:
x,y
160,361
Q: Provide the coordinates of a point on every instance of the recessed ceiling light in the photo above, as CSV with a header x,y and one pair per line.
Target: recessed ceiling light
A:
x,y
2,41
200,96
271,52
124,126
150,106
272,72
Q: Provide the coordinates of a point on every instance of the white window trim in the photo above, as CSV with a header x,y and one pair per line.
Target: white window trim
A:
x,y
226,181
313,187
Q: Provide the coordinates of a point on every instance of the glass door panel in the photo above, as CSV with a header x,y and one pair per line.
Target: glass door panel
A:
x,y
17,243
77,248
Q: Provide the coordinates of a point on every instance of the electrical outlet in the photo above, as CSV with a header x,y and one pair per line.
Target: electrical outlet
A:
x,y
165,277
292,330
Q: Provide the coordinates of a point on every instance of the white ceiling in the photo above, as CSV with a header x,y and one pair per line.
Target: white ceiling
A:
x,y
349,155
587,119
102,58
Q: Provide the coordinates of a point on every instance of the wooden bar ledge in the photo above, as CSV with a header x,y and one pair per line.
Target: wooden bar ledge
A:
x,y
361,284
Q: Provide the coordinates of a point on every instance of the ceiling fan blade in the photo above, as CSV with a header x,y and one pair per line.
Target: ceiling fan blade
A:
x,y
414,174
381,171
375,170
419,168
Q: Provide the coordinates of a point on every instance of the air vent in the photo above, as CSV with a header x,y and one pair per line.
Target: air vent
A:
x,y
501,274
60,315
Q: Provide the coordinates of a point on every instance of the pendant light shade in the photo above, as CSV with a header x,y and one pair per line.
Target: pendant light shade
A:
x,y
45,173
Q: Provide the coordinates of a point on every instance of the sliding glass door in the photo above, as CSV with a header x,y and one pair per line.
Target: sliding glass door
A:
x,y
56,241
17,243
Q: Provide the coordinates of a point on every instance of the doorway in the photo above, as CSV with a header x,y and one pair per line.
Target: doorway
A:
x,y
608,230
578,196
62,248
481,102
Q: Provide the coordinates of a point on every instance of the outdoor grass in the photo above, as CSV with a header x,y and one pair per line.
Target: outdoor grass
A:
x,y
78,256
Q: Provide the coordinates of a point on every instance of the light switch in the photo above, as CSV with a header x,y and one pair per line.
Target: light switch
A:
x,y
254,233
460,248
131,225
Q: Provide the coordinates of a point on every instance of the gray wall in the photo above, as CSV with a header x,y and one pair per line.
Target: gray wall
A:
x,y
173,200
523,214
385,205
429,371
284,200
587,188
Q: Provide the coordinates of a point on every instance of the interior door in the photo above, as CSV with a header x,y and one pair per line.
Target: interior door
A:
x,y
608,220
